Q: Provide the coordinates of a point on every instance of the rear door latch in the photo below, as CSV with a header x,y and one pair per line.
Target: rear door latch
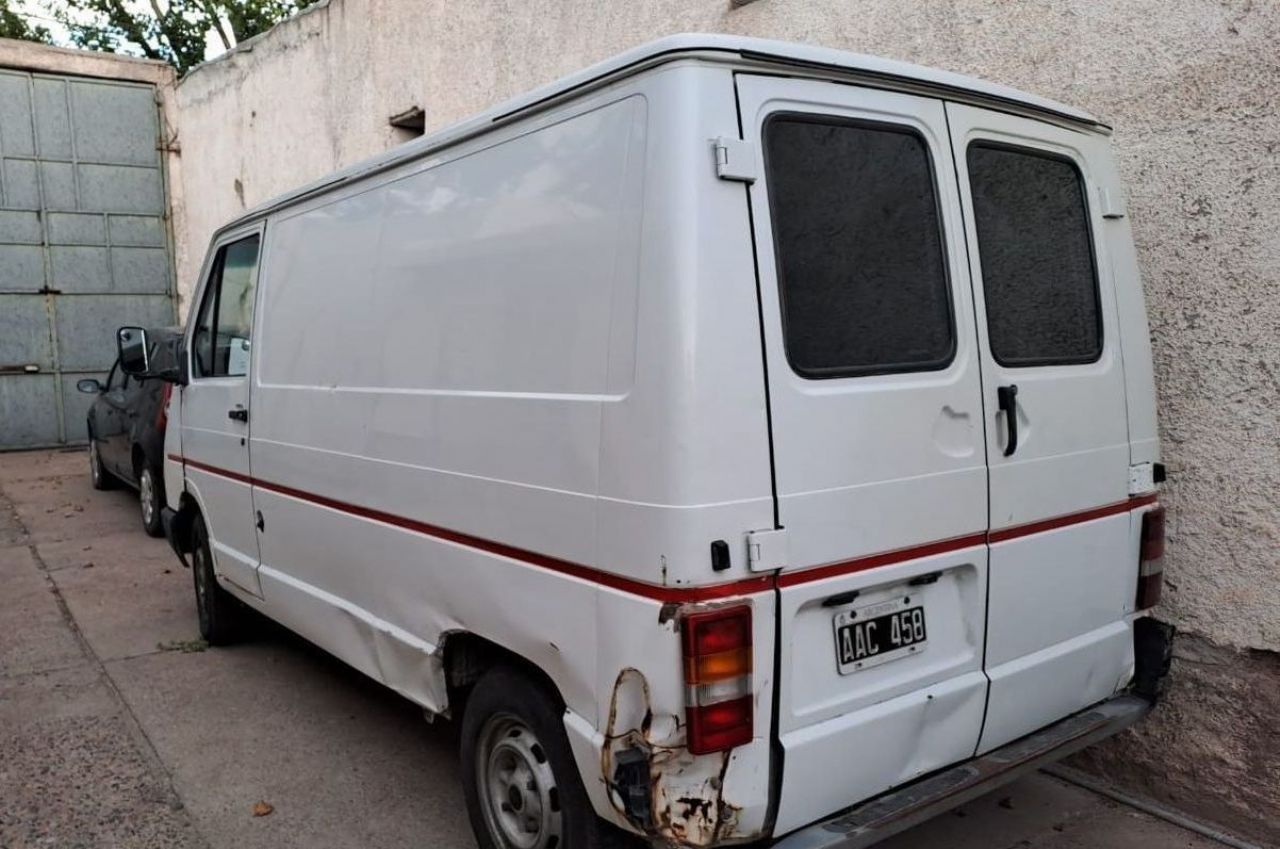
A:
x,y
767,550
1007,400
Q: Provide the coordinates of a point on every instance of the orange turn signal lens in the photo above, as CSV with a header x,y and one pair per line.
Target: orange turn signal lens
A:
x,y
720,666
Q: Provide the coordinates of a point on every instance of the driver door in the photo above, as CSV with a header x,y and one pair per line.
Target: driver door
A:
x,y
215,407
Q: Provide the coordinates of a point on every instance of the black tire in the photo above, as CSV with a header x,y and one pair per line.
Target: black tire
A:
x,y
221,614
151,498
511,719
98,475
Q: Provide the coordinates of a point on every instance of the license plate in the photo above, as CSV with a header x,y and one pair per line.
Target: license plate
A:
x,y
878,633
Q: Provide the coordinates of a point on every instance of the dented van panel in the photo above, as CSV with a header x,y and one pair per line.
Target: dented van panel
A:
x,y
677,797
655,783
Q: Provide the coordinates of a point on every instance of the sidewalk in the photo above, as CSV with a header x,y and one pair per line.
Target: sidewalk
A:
x,y
117,728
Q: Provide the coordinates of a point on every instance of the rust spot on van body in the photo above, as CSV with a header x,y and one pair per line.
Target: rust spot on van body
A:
x,y
689,804
686,804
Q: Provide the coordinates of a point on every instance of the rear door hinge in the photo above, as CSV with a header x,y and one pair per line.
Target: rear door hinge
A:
x,y
1142,478
767,550
1112,202
735,160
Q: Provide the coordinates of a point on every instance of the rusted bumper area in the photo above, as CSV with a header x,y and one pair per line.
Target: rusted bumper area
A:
x,y
884,816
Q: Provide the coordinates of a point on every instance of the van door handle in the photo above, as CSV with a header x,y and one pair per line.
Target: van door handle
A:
x,y
239,414
1007,399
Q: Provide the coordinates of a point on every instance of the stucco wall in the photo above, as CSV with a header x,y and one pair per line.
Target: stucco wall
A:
x,y
1191,88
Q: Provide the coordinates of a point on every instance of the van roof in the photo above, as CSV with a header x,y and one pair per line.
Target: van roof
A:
x,y
739,51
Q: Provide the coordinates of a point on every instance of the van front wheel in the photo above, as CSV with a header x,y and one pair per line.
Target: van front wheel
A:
x,y
221,615
522,786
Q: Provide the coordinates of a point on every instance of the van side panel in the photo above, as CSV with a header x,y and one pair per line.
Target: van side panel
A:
x,y
433,356
685,461
685,455
540,382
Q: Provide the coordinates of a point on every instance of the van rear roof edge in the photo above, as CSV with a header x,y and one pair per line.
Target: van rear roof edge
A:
x,y
742,51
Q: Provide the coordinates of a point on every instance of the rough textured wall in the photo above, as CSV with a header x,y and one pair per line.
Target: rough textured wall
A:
x,y
1191,88
1211,748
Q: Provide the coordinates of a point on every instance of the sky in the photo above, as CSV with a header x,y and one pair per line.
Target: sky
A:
x,y
40,12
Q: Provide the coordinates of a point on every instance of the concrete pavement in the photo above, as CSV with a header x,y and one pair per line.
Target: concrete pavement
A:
x,y
117,728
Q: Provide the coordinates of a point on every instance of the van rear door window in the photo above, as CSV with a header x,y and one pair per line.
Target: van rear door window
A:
x,y
861,267
1038,275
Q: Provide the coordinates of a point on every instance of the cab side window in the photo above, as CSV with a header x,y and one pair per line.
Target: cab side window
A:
x,y
224,324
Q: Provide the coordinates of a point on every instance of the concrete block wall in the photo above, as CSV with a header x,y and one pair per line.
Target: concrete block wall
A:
x,y
1191,88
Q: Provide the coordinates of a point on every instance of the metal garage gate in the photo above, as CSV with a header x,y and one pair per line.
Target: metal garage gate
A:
x,y
84,246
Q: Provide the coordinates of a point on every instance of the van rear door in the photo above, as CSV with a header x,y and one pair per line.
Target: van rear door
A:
x,y
1063,561
877,429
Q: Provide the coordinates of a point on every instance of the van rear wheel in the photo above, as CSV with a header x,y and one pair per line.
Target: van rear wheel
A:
x,y
521,783
221,615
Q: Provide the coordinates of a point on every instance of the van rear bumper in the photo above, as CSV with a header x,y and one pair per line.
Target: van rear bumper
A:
x,y
870,822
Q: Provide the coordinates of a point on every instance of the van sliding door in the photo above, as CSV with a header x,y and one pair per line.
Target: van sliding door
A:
x,y
1063,566
878,440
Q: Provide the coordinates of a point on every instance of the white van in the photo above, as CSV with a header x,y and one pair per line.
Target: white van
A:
x,y
742,440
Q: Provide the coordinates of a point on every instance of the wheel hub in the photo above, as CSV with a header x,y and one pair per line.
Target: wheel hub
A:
x,y
147,494
517,787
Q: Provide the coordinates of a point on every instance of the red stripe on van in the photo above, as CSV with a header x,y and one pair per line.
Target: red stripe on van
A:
x,y
564,567
214,470
1056,522
681,595
885,558
888,558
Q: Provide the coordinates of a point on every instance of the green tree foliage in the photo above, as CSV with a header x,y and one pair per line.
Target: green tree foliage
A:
x,y
170,30
13,24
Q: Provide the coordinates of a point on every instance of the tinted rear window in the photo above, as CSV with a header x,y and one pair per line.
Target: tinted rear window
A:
x,y
861,269
1038,275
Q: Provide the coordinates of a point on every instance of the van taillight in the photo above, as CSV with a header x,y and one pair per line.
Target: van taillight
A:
x,y
717,678
1151,559
162,414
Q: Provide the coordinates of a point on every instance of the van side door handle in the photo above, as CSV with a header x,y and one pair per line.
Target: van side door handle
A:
x,y
239,414
1007,399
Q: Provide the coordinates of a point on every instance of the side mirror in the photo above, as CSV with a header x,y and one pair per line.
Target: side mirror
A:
x,y
89,386
134,350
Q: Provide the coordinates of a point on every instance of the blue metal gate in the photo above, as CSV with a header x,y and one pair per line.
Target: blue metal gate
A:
x,y
84,243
